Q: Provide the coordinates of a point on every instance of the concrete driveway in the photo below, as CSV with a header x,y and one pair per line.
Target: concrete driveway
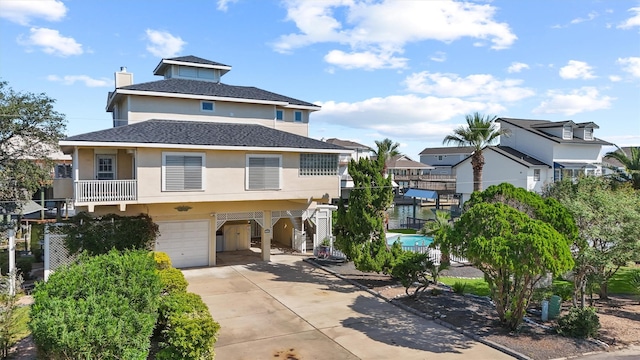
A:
x,y
287,309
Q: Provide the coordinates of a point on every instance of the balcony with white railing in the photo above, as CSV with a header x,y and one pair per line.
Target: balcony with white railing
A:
x,y
105,191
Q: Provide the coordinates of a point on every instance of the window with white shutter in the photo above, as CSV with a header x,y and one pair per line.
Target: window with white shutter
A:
x,y
182,171
263,172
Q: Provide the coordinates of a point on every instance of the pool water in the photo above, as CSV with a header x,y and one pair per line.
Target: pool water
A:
x,y
410,240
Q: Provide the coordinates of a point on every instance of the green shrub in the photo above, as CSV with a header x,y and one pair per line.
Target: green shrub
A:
x,y
172,280
564,290
186,328
163,261
539,294
103,307
411,269
37,235
579,323
459,287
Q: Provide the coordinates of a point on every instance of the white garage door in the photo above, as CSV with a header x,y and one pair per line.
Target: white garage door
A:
x,y
186,242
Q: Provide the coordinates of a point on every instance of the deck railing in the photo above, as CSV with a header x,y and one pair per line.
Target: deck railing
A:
x,y
106,190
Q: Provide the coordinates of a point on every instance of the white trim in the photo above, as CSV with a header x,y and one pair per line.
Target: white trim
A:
x,y
85,144
246,177
186,63
276,115
213,106
303,107
114,165
186,153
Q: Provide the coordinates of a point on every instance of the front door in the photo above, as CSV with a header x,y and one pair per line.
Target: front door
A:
x,y
106,167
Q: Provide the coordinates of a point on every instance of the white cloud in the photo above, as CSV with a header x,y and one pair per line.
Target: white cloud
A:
x,y
576,101
630,65
476,87
365,60
22,11
51,42
374,29
439,56
634,20
223,5
407,116
577,70
516,67
615,78
592,15
87,80
163,44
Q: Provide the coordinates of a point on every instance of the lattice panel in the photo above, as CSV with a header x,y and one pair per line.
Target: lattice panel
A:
x,y
258,216
58,255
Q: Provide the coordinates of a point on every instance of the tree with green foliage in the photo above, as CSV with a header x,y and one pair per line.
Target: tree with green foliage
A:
x,y
360,224
439,229
631,163
479,132
608,222
514,237
29,133
386,149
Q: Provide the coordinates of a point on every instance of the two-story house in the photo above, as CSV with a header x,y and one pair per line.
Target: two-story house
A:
x,y
406,172
443,158
207,161
535,153
356,151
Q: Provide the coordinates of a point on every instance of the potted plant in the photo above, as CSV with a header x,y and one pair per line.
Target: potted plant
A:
x,y
324,249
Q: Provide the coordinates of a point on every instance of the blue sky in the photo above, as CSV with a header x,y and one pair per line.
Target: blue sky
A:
x,y
407,70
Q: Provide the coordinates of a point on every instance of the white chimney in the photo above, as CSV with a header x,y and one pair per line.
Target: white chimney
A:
x,y
123,78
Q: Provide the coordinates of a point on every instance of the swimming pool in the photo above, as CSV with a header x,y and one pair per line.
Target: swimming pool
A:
x,y
410,240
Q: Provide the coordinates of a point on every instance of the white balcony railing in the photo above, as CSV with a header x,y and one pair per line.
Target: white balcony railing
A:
x,y
106,190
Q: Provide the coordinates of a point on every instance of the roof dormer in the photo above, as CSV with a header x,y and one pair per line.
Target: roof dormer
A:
x,y
567,132
191,67
585,131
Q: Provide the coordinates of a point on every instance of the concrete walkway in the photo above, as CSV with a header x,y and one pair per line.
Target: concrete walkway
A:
x,y
287,309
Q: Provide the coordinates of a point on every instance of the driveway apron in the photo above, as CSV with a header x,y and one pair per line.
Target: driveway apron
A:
x,y
287,309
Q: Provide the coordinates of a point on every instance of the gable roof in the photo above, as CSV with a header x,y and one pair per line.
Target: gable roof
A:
x,y
513,155
534,125
615,163
347,144
198,134
190,60
447,150
210,89
404,162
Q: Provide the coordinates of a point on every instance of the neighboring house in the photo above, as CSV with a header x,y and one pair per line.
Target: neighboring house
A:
x,y
609,165
356,152
406,172
443,158
536,152
212,164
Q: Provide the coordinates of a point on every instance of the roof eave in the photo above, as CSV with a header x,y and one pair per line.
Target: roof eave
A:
x,y
159,70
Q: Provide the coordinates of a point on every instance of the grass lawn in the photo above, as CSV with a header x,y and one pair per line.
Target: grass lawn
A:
x,y
403,231
474,286
21,316
620,283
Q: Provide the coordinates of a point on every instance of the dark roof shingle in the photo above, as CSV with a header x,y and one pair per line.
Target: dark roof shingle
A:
x,y
447,150
203,133
534,125
195,60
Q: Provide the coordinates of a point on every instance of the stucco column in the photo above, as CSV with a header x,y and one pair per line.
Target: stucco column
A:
x,y
267,235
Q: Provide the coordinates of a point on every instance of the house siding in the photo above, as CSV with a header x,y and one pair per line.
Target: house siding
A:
x,y
528,143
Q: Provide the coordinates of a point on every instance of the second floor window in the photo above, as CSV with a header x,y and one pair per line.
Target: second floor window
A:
x,y
536,174
567,132
63,171
182,171
263,172
280,115
318,164
297,116
588,133
207,106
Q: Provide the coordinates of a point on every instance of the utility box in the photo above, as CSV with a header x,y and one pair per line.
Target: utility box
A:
x,y
554,306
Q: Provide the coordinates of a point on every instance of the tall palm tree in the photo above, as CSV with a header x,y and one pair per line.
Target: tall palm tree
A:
x,y
386,150
479,132
631,163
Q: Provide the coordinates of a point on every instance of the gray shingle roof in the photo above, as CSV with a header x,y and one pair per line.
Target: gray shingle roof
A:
x,y
447,150
195,60
511,154
208,88
203,133
347,143
533,125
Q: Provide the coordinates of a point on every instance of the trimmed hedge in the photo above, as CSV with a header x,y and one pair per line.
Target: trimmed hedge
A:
x,y
163,261
172,280
579,323
187,329
103,307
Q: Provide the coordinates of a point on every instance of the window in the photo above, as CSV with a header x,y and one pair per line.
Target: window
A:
x,y
63,171
567,132
206,106
536,174
105,167
297,116
318,164
280,115
588,133
263,172
440,157
182,171
184,71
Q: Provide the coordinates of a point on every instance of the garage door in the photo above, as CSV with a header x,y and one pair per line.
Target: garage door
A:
x,y
186,242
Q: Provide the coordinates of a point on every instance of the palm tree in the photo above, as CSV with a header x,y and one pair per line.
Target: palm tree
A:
x,y
386,150
480,131
438,229
631,164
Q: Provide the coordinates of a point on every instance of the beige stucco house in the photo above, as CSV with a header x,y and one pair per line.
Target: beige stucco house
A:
x,y
215,165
